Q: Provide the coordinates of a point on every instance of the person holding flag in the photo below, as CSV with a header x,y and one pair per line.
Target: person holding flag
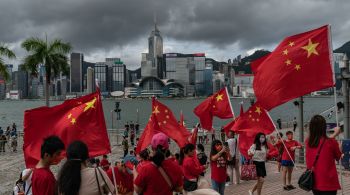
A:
x,y
259,151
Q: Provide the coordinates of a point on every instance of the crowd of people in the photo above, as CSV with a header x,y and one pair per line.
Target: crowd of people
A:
x,y
160,171
8,138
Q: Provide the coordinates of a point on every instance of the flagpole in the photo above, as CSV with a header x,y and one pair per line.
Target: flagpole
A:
x,y
229,100
331,55
278,132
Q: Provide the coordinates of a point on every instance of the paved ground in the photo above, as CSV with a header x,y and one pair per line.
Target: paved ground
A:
x,y
12,163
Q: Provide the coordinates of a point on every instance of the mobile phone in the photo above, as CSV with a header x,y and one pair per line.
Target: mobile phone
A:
x,y
226,144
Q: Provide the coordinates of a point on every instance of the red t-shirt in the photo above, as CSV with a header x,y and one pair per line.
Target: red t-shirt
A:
x,y
191,169
325,172
289,144
124,180
153,183
43,182
218,170
141,164
104,164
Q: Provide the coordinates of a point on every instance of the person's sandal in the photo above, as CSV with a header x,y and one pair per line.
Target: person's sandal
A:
x,y
291,187
286,188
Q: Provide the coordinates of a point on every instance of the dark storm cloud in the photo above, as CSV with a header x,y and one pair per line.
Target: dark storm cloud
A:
x,y
92,25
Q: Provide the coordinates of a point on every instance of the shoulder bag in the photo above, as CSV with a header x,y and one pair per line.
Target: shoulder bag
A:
x,y
306,180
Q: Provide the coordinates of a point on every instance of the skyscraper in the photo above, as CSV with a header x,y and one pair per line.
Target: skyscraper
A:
x,y
76,66
152,63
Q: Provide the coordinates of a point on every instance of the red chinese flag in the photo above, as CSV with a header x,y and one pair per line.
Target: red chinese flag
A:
x,y
229,127
255,119
168,124
299,65
218,105
151,129
77,119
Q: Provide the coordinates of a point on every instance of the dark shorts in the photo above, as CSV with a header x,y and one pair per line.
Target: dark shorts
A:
x,y
287,163
260,168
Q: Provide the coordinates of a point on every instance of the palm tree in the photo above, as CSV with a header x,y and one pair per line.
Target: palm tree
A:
x,y
53,55
6,52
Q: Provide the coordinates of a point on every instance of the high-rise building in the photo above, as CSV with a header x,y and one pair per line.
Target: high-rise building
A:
x,y
187,69
152,62
90,80
20,82
86,65
118,77
76,69
101,74
2,89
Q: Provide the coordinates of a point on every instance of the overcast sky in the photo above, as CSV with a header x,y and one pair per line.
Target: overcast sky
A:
x,y
222,29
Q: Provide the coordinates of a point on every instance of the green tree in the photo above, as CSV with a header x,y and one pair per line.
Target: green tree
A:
x,y
53,55
5,52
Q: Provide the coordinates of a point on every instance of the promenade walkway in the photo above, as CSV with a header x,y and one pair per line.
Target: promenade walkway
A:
x,y
12,163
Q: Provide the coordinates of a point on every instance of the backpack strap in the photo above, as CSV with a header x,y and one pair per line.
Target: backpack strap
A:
x,y
165,176
98,183
104,181
30,186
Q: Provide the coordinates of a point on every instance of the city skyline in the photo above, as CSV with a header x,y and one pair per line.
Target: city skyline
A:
x,y
120,28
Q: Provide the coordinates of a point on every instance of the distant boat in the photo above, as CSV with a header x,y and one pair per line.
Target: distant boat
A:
x,y
117,93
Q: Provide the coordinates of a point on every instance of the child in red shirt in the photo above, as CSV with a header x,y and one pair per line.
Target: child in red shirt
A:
x,y
287,161
219,155
43,181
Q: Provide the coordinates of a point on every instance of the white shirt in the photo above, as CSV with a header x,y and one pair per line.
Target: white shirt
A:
x,y
232,144
28,182
258,155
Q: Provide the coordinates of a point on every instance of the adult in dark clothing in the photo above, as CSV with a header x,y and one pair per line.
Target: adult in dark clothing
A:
x,y
279,122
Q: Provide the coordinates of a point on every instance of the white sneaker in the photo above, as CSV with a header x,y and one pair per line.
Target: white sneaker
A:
x,y
227,184
250,192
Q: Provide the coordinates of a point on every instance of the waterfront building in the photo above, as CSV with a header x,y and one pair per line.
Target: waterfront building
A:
x,y
218,81
243,86
187,69
90,80
2,89
208,80
76,66
20,82
101,74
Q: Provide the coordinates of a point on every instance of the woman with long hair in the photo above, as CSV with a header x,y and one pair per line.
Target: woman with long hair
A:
x,y
258,151
219,155
75,178
161,176
325,172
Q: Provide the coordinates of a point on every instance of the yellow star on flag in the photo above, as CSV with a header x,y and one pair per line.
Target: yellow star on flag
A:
x,y
311,48
219,97
291,43
297,67
155,110
90,104
285,52
288,62
258,110
69,115
73,121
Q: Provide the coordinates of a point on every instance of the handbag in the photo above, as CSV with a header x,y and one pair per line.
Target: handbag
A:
x,y
248,172
306,180
190,186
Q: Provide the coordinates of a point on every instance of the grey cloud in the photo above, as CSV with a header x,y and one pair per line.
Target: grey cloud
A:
x,y
105,25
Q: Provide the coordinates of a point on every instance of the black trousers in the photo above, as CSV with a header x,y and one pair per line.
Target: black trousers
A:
x,y
316,192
